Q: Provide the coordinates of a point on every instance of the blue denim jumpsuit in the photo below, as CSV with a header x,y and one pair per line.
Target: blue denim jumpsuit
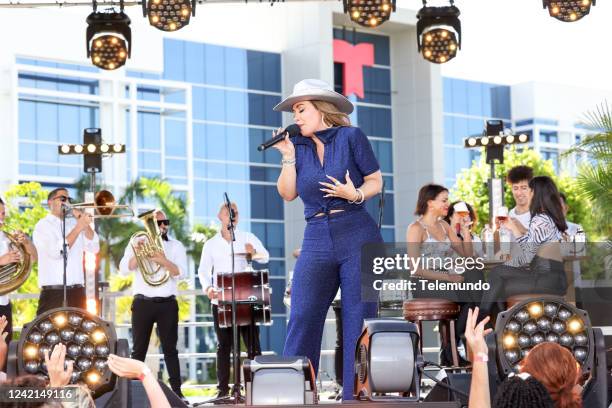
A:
x,y
331,249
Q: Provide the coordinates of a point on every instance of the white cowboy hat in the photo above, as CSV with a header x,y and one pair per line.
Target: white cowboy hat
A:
x,y
315,90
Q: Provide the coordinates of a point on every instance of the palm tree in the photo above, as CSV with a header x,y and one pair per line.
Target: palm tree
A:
x,y
595,173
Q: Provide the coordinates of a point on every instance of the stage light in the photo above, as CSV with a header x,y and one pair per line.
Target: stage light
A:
x,y
369,13
88,340
539,321
484,141
568,10
168,15
497,140
439,32
65,149
510,139
523,138
104,148
109,39
471,142
78,149
118,148
91,148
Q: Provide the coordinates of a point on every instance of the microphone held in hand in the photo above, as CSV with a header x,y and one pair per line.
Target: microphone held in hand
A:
x,y
292,130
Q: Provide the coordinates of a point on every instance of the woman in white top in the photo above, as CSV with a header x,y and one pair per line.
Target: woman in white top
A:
x,y
434,241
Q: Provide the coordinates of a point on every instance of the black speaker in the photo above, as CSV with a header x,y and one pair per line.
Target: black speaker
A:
x,y
92,163
131,393
460,381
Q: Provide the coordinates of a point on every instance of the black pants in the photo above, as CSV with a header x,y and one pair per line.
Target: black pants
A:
x,y
164,312
338,367
6,311
53,298
225,344
542,276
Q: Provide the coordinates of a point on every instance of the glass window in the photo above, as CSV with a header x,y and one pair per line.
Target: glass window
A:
x,y
500,102
260,110
46,117
549,136
214,64
381,43
266,203
69,117
215,105
373,207
377,85
149,136
199,141
175,139
27,151
272,236
459,96
27,120
257,137
149,161
474,98
384,154
174,59
176,168
447,94
236,67
263,71
215,142
374,121
236,107
236,142
194,63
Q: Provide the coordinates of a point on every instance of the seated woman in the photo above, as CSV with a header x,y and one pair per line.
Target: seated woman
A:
x,y
538,268
431,238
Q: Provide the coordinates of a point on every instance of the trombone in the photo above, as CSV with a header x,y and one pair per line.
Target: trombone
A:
x,y
105,206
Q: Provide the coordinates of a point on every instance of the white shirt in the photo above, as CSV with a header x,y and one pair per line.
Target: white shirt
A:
x,y
175,253
217,257
572,228
524,218
4,248
48,240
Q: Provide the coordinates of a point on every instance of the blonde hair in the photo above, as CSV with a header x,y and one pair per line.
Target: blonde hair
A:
x,y
331,115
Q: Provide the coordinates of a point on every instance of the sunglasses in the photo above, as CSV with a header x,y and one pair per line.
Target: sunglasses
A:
x,y
163,222
63,199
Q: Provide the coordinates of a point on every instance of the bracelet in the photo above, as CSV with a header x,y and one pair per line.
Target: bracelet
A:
x,y
362,197
145,371
288,162
481,357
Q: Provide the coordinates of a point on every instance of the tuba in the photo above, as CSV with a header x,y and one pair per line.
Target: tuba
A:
x,y
151,272
13,275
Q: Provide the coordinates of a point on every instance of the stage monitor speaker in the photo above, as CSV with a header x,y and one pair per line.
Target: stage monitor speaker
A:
x,y
385,361
272,380
131,394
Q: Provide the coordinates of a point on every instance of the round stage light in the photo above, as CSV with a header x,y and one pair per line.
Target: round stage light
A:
x,y
369,13
568,10
439,45
168,15
88,340
109,52
65,149
530,323
472,142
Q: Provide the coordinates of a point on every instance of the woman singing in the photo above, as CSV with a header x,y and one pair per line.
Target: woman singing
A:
x,y
332,168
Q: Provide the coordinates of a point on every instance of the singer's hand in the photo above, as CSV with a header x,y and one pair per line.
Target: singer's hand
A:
x,y
337,189
285,147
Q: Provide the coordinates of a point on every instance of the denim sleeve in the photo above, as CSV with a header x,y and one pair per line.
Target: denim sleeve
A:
x,y
362,152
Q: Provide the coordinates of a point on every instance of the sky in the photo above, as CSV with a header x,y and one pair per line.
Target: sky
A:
x,y
513,41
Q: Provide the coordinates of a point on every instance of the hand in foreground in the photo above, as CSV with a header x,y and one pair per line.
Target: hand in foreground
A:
x,y
125,367
58,375
475,333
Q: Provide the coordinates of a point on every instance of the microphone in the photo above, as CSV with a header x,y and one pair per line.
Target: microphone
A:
x,y
228,204
292,130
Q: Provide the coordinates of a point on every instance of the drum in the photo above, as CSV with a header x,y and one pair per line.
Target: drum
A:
x,y
252,298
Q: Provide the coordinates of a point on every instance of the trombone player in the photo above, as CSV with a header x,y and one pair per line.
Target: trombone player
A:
x,y
10,255
155,301
48,239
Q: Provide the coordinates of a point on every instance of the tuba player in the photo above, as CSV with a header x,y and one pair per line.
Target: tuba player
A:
x,y
157,304
8,256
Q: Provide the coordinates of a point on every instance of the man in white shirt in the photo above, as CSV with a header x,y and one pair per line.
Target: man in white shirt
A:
x,y
157,304
48,239
217,258
9,256
518,178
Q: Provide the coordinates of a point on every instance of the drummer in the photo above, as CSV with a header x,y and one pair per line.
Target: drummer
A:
x,y
217,258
